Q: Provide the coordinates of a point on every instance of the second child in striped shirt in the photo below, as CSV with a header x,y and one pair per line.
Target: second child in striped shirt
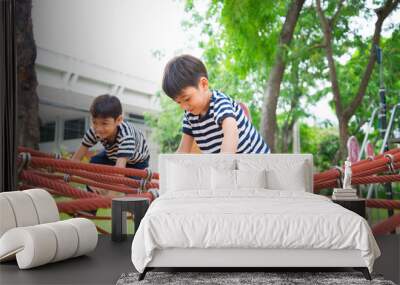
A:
x,y
124,145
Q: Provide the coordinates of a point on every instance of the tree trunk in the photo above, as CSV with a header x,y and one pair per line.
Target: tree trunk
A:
x,y
28,102
327,26
344,136
344,114
287,129
287,136
268,120
271,94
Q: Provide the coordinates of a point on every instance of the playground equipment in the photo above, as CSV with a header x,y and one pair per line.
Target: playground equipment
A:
x,y
60,177
386,132
37,169
385,129
369,172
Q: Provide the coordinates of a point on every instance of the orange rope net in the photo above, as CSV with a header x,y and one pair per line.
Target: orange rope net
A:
x,y
55,174
381,169
364,171
60,177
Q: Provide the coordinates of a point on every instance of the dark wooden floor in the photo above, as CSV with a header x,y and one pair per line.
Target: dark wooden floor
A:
x,y
102,266
110,260
389,263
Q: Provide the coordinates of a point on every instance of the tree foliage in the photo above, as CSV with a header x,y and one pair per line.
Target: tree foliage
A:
x,y
240,39
338,36
167,125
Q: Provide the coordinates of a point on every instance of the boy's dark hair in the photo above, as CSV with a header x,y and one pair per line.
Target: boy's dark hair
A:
x,y
181,72
106,106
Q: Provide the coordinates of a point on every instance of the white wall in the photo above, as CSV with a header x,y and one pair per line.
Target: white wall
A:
x,y
118,34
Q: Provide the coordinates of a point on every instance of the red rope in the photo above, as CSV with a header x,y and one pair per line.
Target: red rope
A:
x,y
359,181
117,188
383,203
89,204
375,179
102,231
326,175
103,176
364,172
60,187
106,186
34,152
147,195
387,226
106,178
333,174
362,167
372,171
99,168
24,186
328,184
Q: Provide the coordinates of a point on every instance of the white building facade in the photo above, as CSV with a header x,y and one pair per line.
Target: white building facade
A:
x,y
88,48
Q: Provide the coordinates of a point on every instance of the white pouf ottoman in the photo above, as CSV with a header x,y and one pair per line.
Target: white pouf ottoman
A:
x,y
31,232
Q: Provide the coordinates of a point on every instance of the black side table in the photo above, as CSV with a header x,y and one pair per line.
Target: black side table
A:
x,y
355,205
135,205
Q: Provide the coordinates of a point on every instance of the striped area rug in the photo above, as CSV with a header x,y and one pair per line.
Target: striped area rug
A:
x,y
230,278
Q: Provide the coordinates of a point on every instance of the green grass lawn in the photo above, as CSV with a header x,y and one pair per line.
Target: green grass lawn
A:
x,y
104,224
378,215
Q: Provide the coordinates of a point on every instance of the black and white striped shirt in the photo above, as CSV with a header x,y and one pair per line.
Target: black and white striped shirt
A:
x,y
130,143
207,130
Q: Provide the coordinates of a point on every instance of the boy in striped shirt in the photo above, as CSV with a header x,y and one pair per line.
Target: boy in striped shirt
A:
x,y
212,119
124,145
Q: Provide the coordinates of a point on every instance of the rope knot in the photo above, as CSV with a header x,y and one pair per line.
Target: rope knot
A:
x,y
390,163
26,159
339,179
144,181
154,192
67,178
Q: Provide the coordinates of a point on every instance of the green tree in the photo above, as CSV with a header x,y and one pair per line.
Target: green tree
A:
x,y
391,75
240,41
167,125
321,141
337,38
254,37
239,65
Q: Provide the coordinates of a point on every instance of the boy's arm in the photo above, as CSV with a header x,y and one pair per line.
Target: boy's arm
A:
x,y
186,144
231,135
82,150
121,162
126,150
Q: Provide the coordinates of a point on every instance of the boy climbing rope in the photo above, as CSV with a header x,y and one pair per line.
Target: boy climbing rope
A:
x,y
124,145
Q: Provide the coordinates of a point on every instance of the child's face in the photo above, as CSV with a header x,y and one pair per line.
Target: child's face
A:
x,y
195,100
106,128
